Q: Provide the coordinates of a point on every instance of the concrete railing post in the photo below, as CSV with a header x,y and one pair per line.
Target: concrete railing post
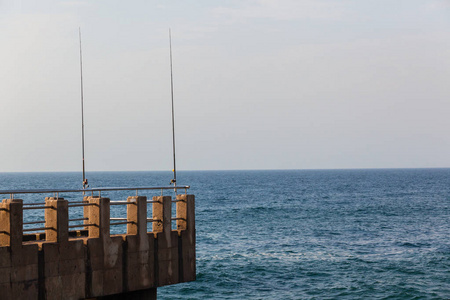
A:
x,y
105,253
86,212
137,214
4,224
181,212
185,212
16,222
139,274
186,231
99,217
162,211
57,220
11,223
191,213
19,270
62,261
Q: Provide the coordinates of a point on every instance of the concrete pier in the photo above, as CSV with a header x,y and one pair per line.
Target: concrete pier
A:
x,y
90,263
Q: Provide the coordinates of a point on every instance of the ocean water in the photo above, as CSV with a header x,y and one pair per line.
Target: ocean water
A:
x,y
302,234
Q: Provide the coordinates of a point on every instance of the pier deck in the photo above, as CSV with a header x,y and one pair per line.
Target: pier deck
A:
x,y
62,262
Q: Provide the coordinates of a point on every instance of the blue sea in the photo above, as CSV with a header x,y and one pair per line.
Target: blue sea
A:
x,y
302,234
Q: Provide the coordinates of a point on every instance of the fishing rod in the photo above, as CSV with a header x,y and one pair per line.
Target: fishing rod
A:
x,y
174,180
85,181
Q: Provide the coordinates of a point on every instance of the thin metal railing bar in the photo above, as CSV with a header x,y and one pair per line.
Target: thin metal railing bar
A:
x,y
176,219
39,207
121,223
154,220
35,222
30,204
152,201
80,219
39,229
81,225
121,200
118,219
43,203
173,201
45,191
120,203
81,204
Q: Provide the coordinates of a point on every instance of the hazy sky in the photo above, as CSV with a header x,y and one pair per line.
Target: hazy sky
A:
x,y
259,84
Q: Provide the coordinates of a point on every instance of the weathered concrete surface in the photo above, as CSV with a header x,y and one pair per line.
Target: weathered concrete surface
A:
x,y
19,274
139,261
104,264
186,231
167,258
64,270
100,266
63,262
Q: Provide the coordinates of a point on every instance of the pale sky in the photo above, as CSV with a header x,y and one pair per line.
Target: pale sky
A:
x,y
259,84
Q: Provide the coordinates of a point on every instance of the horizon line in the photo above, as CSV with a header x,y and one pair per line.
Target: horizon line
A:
x,y
231,170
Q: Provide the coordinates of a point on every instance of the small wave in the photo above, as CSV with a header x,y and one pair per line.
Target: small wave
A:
x,y
413,245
